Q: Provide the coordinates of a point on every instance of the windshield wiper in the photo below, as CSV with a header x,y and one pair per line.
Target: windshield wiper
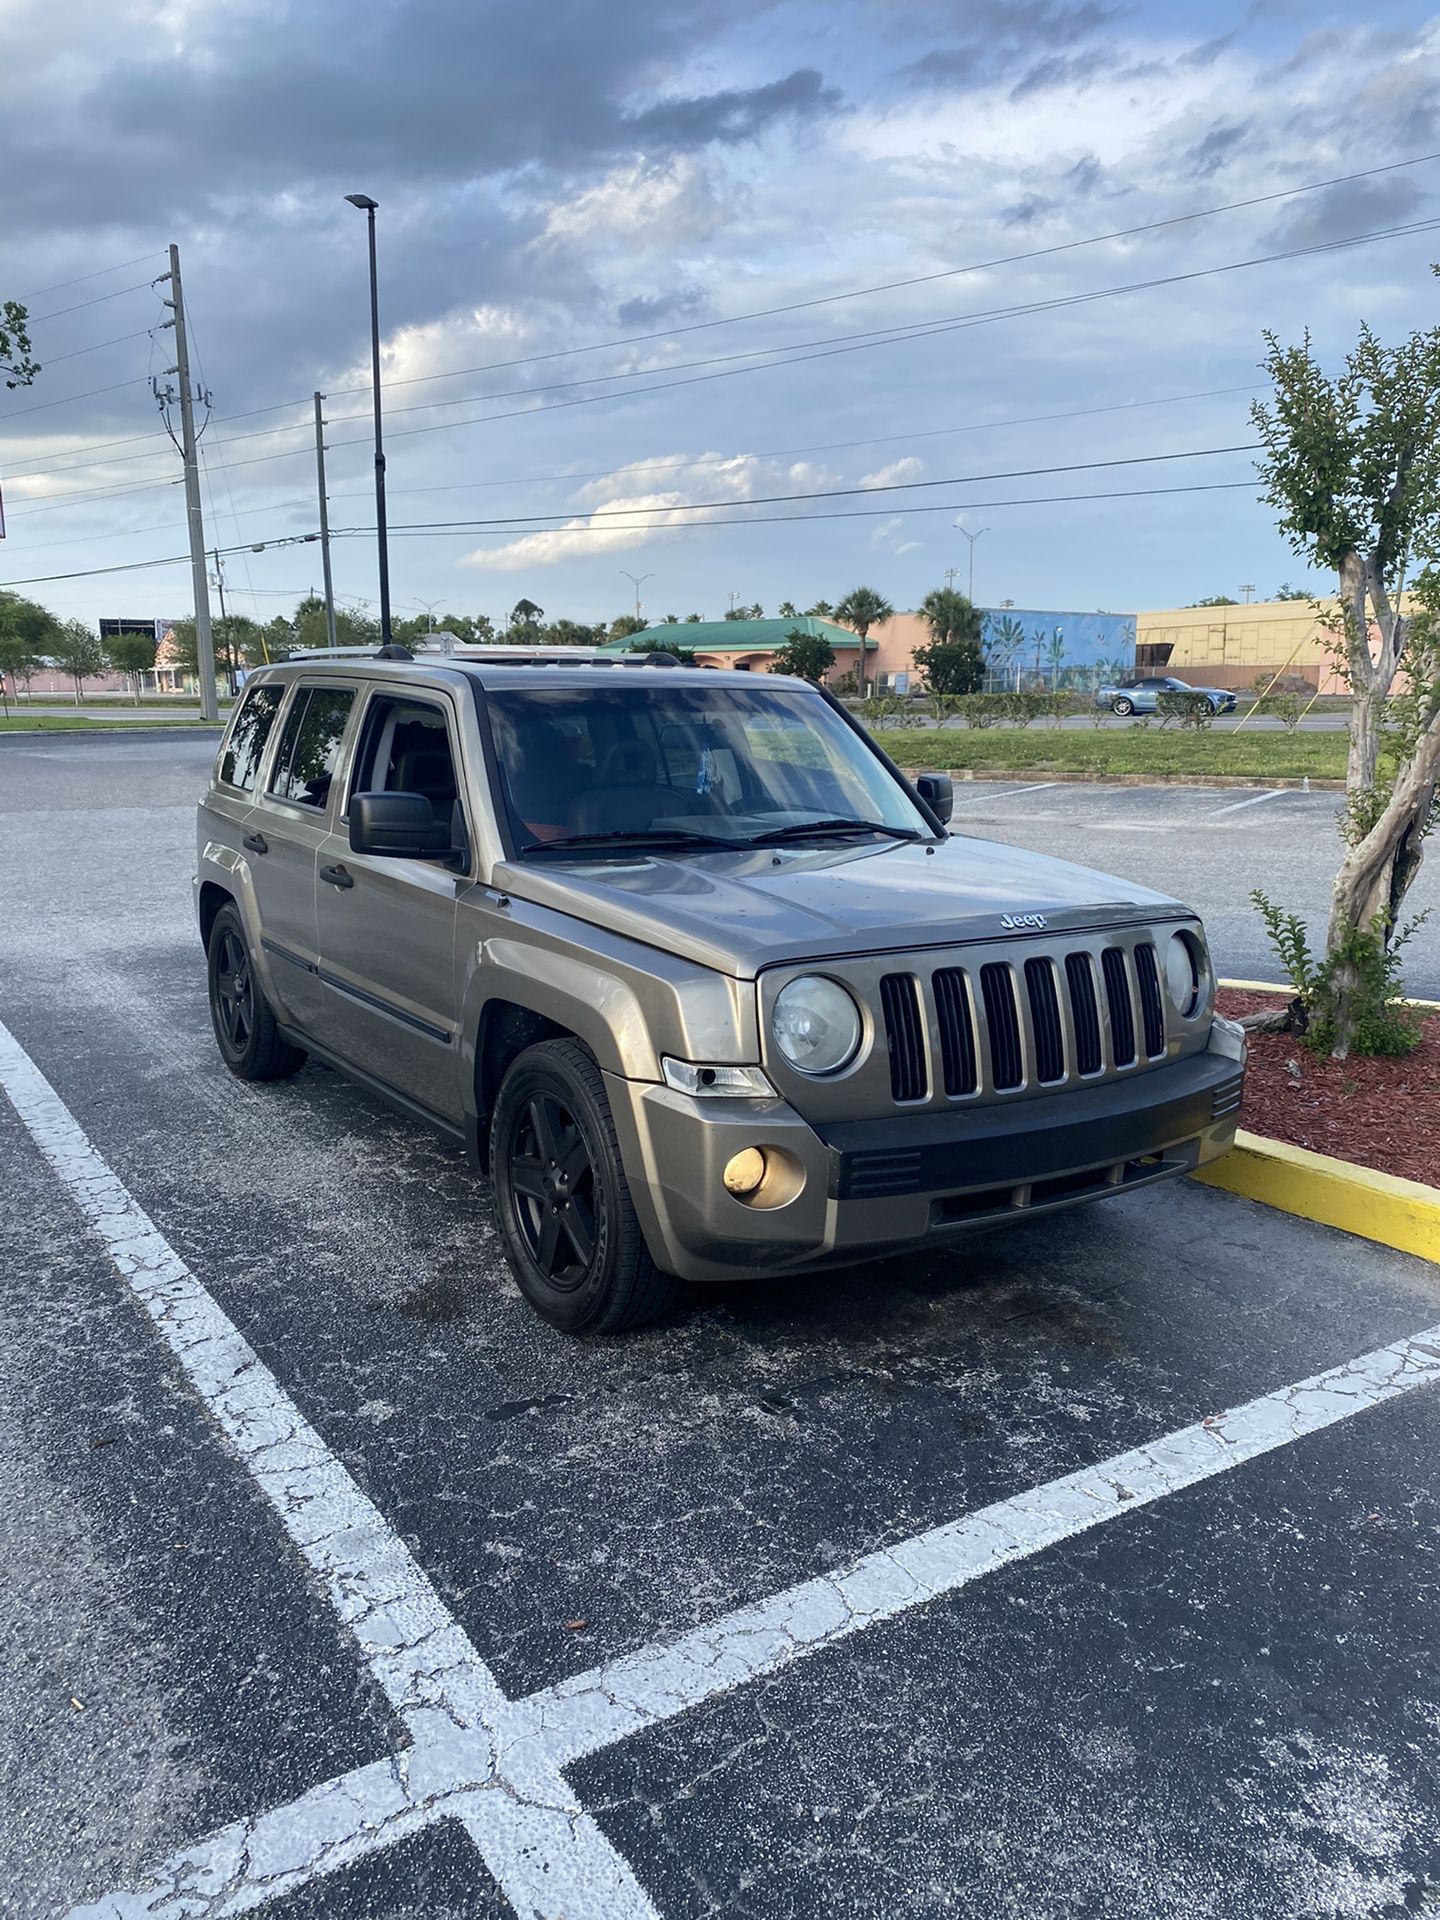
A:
x,y
665,837
804,829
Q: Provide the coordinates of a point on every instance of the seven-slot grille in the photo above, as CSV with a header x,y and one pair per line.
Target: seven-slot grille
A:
x,y
1049,1021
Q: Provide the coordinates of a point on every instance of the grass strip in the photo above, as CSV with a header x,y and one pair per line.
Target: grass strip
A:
x,y
83,723
1115,751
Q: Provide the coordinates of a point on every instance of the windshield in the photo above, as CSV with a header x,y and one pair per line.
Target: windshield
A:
x,y
686,764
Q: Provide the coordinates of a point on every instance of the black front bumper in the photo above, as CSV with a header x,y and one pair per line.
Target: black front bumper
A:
x,y
1031,1141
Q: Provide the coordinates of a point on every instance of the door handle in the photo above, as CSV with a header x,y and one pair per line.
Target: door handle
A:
x,y
255,843
337,877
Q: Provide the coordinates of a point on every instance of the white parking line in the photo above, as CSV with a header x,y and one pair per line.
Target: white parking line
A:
x,y
546,1853
1008,793
495,1765
1255,800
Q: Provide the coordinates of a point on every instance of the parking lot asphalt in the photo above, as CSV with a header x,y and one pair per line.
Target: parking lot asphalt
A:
x,y
1214,1693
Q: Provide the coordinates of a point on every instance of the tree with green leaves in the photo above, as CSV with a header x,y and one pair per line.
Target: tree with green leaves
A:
x,y
1214,600
693,619
572,633
787,610
671,620
809,656
624,624
1351,465
821,610
863,608
26,630
1286,592
954,659
17,357
75,649
132,654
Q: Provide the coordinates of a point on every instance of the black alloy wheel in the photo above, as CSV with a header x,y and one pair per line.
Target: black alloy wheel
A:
x,y
234,991
250,1041
562,1199
554,1187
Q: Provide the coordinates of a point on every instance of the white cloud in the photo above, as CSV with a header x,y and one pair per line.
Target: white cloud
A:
x,y
896,474
891,537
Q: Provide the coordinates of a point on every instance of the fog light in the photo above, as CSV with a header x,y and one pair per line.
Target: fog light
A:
x,y
745,1172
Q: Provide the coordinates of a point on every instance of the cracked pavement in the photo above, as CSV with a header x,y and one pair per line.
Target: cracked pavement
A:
x,y
888,1600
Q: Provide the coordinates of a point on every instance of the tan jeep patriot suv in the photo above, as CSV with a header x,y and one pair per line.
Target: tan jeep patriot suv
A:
x,y
691,966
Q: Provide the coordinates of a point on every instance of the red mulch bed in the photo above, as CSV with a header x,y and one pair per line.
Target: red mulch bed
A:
x,y
1376,1113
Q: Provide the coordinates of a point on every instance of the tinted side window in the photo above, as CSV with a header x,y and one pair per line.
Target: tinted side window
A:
x,y
310,746
245,748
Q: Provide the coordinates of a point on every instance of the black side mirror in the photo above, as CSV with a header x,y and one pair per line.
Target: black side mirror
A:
x,y
937,790
400,825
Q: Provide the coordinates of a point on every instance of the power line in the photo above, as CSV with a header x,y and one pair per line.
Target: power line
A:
x,y
58,286
821,446
55,358
840,513
141,286
889,286
618,515
71,398
794,353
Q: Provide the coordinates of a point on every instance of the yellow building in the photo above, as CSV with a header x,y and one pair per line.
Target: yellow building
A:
x,y
1233,646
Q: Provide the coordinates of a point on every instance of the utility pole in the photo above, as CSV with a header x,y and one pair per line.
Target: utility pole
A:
x,y
950,573
204,641
229,651
324,523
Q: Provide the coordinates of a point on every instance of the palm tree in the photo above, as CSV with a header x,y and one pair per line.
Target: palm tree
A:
x,y
822,609
788,610
950,616
863,608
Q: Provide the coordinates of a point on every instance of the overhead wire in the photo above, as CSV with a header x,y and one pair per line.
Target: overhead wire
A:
x,y
889,286
789,354
58,286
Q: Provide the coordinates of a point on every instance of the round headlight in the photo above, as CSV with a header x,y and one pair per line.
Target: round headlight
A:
x,y
816,1024
1184,973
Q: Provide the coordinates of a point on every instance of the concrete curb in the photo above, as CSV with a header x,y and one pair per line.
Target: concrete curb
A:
x,y
1402,1214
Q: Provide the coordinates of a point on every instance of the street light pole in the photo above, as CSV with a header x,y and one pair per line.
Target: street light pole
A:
x,y
637,580
972,538
367,207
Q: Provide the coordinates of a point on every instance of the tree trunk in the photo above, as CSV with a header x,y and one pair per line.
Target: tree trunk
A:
x,y
1378,871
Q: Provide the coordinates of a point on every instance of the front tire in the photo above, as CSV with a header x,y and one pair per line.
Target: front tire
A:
x,y
250,1041
1123,707
570,1228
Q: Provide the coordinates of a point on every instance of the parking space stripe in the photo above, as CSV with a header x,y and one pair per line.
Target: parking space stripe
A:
x,y
628,1695
547,1855
1008,793
493,1765
1255,800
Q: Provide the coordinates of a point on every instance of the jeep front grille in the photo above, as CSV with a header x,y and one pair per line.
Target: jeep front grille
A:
x,y
1056,1019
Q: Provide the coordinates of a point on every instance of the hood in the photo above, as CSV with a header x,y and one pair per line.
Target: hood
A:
x,y
739,912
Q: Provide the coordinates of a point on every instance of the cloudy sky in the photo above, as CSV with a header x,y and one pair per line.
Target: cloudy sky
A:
x,y
642,254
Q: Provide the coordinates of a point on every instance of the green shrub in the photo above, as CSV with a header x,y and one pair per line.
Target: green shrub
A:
x,y
1364,965
1192,710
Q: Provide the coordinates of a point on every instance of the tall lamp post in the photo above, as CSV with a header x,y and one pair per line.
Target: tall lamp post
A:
x,y
367,206
972,538
637,580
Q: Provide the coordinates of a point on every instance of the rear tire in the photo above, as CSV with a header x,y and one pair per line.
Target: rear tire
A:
x,y
1123,707
570,1227
250,1041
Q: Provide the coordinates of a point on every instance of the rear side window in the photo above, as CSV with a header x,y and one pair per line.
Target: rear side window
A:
x,y
310,746
244,750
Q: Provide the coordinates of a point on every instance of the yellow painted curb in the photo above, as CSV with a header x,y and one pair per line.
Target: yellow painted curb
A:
x,y
1269,986
1403,1214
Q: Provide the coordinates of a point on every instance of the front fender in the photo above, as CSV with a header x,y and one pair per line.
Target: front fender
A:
x,y
221,866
